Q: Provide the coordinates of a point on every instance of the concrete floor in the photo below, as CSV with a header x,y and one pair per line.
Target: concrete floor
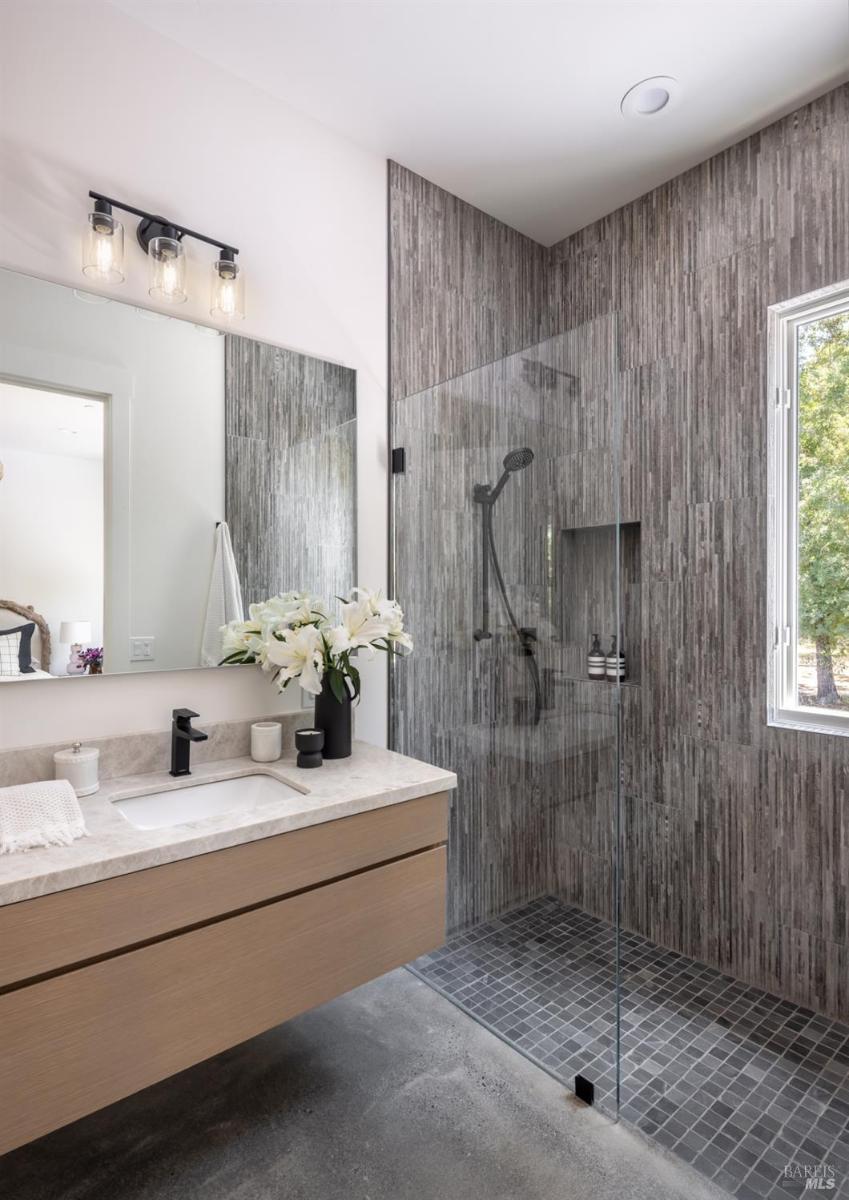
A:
x,y
387,1093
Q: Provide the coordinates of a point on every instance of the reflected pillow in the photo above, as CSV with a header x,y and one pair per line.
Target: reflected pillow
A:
x,y
24,648
10,644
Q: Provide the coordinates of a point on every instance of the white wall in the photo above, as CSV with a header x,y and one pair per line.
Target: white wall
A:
x,y
90,99
51,534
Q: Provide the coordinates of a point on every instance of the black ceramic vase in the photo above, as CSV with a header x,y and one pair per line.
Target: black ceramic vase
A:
x,y
334,717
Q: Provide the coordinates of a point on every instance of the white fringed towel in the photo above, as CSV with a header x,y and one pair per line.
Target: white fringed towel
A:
x,y
39,814
224,603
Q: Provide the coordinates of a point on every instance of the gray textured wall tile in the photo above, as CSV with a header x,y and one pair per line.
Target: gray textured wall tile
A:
x,y
735,836
290,470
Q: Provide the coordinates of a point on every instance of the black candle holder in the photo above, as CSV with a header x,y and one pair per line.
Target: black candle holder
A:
x,y
310,743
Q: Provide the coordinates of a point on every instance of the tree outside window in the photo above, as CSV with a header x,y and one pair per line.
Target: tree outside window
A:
x,y
823,512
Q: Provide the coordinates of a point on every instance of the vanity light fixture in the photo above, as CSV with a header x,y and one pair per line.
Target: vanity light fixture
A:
x,y
162,241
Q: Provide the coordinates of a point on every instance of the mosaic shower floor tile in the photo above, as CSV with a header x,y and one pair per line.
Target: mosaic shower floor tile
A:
x,y
750,1089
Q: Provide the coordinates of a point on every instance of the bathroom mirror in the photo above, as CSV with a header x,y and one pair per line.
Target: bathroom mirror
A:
x,y
154,475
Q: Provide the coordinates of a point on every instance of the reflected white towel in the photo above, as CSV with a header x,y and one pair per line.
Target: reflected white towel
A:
x,y
224,603
39,814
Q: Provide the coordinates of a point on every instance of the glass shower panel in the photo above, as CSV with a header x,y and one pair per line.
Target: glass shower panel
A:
x,y
508,557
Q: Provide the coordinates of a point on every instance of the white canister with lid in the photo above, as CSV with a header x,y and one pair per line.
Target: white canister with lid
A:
x,y
79,765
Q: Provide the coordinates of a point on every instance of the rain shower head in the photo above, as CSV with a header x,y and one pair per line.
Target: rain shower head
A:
x,y
517,460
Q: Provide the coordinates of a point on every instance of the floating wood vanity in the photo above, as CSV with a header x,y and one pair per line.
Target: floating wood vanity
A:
x,y
110,986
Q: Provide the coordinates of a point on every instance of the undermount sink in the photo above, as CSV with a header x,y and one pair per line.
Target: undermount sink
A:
x,y
195,801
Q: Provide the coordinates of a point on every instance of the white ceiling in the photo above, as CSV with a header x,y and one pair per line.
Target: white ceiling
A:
x,y
50,422
515,106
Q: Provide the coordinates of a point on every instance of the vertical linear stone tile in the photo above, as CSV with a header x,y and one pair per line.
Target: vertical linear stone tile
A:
x,y
465,288
735,837
290,426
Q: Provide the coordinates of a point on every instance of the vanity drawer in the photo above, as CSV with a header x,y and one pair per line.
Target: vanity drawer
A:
x,y
81,1040
54,932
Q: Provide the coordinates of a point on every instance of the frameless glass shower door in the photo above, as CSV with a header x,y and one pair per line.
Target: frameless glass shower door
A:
x,y
509,560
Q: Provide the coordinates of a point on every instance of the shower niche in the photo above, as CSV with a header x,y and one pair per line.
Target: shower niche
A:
x,y
586,575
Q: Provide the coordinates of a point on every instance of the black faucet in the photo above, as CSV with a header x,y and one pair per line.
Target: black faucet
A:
x,y
182,736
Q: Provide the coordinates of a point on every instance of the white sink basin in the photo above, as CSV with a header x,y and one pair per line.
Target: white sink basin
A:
x,y
179,806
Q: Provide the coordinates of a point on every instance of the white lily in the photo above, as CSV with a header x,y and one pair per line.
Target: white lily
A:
x,y
241,636
288,610
299,653
290,635
362,625
338,640
391,612
299,608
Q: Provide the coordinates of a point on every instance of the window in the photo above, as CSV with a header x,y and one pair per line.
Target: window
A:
x,y
809,512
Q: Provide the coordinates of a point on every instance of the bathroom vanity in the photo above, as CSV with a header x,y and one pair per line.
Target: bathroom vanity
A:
x,y
139,951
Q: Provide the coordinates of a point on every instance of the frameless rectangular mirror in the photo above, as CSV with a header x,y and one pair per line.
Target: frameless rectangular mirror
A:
x,y
155,475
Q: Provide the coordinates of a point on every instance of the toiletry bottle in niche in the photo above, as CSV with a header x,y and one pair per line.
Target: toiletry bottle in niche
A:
x,y
595,659
615,662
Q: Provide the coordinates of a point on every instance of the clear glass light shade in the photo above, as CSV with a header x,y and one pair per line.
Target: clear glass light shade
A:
x,y
228,291
103,248
167,270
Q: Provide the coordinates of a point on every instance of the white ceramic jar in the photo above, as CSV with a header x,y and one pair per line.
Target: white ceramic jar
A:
x,y
266,741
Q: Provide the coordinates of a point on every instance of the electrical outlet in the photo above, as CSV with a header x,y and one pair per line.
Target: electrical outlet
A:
x,y
141,649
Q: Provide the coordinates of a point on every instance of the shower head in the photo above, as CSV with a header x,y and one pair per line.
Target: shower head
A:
x,y
517,460
514,460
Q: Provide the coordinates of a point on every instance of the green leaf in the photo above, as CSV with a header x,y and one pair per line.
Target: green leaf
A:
x,y
337,685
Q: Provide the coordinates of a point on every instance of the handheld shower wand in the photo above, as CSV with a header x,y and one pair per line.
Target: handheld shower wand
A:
x,y
483,494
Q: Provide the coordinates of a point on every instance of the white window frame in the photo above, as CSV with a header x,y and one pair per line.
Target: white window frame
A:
x,y
783,708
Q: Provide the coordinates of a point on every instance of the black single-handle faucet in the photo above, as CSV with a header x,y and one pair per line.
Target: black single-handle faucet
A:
x,y
182,736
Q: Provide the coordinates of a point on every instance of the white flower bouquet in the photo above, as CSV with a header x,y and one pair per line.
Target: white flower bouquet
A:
x,y
293,636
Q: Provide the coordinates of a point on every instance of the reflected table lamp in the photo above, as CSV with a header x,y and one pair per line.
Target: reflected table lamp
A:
x,y
75,634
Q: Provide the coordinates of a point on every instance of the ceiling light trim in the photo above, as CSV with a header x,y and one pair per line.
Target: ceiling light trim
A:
x,y
654,96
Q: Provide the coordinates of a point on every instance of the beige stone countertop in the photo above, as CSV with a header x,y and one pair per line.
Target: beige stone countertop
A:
x,y
371,778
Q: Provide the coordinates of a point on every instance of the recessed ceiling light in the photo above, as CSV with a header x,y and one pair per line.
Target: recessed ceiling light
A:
x,y
650,97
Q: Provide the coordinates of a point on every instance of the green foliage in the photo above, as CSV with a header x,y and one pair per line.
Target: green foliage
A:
x,y
824,481
337,684
238,656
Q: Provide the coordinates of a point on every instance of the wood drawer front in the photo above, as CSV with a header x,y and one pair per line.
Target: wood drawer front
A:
x,y
74,1043
54,932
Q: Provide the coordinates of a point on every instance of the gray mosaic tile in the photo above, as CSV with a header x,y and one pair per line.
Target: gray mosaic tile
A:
x,y
737,1082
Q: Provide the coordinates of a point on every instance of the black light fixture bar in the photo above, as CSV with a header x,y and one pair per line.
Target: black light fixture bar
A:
x,y
153,226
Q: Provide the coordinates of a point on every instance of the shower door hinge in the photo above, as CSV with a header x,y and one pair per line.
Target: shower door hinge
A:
x,y
399,460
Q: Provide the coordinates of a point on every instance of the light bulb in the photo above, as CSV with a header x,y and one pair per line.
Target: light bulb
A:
x,y
227,300
170,282
103,246
167,270
105,257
